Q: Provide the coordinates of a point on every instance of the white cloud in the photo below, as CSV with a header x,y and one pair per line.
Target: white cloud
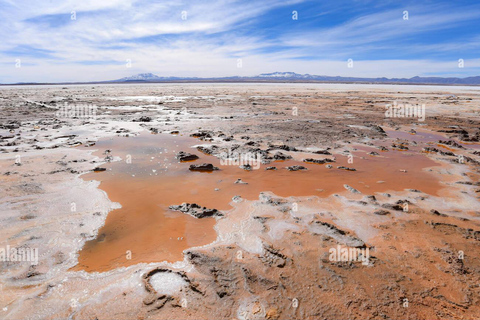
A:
x,y
209,41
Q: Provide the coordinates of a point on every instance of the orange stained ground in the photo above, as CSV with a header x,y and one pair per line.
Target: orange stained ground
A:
x,y
154,179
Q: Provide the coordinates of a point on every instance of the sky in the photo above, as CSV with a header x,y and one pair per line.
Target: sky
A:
x,y
94,40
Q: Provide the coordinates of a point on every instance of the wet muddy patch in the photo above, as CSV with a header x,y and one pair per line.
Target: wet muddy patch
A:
x,y
166,207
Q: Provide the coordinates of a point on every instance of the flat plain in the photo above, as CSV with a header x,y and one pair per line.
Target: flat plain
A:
x,y
126,230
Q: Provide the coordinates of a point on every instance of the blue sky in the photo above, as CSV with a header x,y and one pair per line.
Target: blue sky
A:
x,y
90,40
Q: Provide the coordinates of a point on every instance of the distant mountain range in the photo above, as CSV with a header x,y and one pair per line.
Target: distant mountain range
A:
x,y
286,77
147,77
295,77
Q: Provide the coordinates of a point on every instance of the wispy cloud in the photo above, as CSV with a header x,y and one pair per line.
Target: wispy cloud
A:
x,y
98,40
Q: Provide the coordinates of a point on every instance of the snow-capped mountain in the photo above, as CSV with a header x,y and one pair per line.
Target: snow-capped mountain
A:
x,y
289,75
141,77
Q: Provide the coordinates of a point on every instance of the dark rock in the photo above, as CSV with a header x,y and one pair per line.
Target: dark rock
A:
x,y
457,130
451,143
399,146
185,156
447,153
322,152
346,168
282,147
430,149
396,207
202,135
378,129
68,136
281,156
273,257
469,183
13,124
143,119
436,213
203,167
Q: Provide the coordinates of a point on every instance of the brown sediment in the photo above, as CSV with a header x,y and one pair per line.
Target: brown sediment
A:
x,y
147,231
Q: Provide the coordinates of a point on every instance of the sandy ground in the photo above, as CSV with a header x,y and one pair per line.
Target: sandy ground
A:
x,y
416,210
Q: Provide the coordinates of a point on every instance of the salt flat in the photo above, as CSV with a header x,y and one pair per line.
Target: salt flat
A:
x,y
106,243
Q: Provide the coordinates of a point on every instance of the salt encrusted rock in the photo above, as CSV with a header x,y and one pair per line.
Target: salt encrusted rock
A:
x,y
296,168
196,211
351,189
246,167
318,161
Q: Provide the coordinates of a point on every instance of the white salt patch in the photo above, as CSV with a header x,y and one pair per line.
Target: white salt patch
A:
x,y
278,228
167,283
